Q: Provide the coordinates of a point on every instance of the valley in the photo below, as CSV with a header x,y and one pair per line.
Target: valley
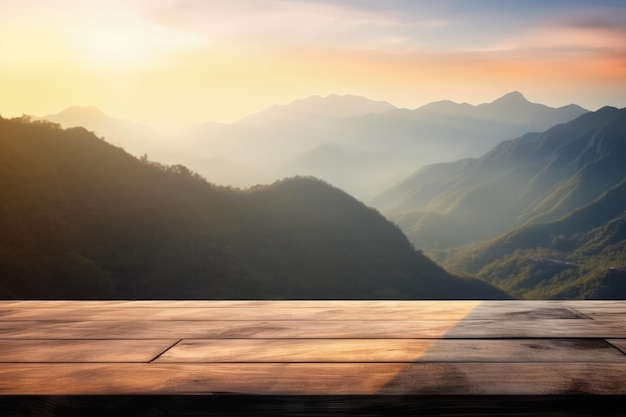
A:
x,y
525,197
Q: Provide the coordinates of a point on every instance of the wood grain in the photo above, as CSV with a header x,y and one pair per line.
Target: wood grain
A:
x,y
313,348
437,329
50,350
256,303
392,350
314,379
415,312
604,313
238,313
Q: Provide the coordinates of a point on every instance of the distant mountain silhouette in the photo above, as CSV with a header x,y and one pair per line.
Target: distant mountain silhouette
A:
x,y
270,144
367,144
515,108
83,219
360,145
135,138
314,107
557,200
512,108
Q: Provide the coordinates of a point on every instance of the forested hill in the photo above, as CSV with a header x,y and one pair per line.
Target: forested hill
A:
x,y
536,178
81,218
582,255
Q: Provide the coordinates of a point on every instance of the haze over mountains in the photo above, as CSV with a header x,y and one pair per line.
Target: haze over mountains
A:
x,y
81,218
135,138
558,195
359,145
536,178
526,197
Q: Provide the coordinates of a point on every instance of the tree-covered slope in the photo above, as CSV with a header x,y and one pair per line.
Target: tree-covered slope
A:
x,y
539,177
83,219
582,255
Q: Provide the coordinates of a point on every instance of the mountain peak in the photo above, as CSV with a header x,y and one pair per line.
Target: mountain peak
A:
x,y
333,105
513,97
445,106
89,117
342,105
83,110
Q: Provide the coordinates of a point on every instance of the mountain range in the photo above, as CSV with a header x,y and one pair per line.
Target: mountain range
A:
x,y
549,207
535,178
359,145
83,219
540,214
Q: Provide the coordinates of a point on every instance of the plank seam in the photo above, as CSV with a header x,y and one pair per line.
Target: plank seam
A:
x,y
615,346
166,349
575,311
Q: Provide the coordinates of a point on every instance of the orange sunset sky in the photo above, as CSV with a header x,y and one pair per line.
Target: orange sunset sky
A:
x,y
174,62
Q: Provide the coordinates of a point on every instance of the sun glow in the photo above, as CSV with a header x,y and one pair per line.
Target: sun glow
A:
x,y
175,62
115,47
129,44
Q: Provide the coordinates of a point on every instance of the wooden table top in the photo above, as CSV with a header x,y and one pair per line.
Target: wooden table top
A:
x,y
295,348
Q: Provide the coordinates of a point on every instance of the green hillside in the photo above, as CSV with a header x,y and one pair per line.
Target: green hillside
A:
x,y
541,216
83,219
583,255
537,178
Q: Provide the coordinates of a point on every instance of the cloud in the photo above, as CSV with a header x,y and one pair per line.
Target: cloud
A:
x,y
578,31
339,24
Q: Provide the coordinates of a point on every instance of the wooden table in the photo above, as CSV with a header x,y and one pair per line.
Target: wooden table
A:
x,y
299,351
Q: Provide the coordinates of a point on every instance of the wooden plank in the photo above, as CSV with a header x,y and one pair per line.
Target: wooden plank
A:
x,y
445,310
537,329
247,303
609,317
604,313
575,304
274,314
222,329
392,350
617,306
467,312
465,329
315,379
235,313
50,350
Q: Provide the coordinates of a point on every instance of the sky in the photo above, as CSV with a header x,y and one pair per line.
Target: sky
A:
x,y
169,63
